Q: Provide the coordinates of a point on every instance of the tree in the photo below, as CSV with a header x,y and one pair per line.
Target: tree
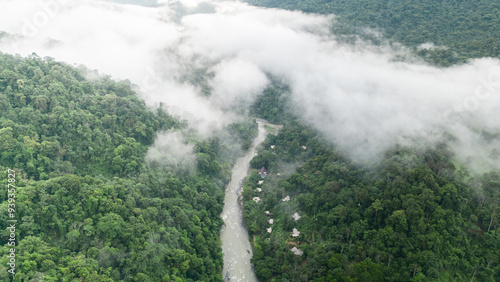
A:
x,y
110,226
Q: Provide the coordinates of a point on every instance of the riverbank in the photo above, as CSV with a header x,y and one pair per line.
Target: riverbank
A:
x,y
234,236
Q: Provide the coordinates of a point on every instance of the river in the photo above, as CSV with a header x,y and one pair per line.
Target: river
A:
x,y
235,244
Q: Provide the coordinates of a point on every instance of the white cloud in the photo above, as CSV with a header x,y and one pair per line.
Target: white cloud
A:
x,y
237,82
170,149
355,94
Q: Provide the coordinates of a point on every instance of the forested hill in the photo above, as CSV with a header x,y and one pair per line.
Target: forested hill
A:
x,y
467,29
417,215
88,205
50,112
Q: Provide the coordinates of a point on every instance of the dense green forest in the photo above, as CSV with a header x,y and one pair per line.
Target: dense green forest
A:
x,y
417,214
90,207
413,216
465,29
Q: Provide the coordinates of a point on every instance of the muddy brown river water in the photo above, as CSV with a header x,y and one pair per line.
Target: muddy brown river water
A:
x,y
235,243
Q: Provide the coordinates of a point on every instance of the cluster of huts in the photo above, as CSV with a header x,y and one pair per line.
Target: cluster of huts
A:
x,y
295,232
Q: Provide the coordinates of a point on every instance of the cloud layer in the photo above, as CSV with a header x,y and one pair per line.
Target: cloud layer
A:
x,y
171,150
357,95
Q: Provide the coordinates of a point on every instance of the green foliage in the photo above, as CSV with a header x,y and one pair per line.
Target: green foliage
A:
x,y
120,228
54,121
88,209
245,132
273,104
399,220
467,29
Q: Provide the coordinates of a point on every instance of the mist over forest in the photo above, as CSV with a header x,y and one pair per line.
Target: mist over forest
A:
x,y
361,95
123,119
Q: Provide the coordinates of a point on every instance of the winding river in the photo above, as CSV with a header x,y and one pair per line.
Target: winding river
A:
x,y
235,243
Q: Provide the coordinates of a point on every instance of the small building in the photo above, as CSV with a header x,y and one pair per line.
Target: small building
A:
x,y
263,172
286,199
268,213
295,233
260,182
256,199
304,147
296,216
259,190
273,146
269,230
271,221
